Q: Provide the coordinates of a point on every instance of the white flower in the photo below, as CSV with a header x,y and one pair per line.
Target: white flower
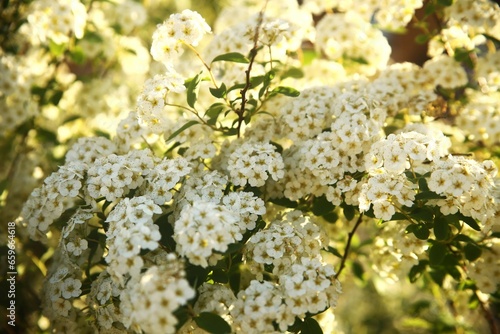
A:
x,y
71,288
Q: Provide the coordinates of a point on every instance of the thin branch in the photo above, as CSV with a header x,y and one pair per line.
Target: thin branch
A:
x,y
209,69
253,54
348,245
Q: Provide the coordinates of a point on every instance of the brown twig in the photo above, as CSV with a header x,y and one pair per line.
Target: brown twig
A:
x,y
253,53
348,245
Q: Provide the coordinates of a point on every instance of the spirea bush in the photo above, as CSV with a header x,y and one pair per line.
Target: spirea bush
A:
x,y
274,171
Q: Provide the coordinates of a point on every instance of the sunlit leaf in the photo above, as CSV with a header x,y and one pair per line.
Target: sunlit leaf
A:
x,y
234,57
182,128
192,90
287,91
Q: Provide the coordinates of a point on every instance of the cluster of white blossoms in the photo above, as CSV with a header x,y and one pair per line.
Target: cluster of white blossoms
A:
x,y
131,229
468,186
349,36
388,187
15,98
314,166
187,27
480,118
253,163
388,14
54,21
486,271
114,176
206,221
152,102
289,250
396,251
100,300
47,203
148,302
203,230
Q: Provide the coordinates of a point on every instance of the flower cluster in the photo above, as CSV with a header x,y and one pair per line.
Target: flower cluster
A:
x,y
467,186
55,20
131,229
252,163
149,302
187,27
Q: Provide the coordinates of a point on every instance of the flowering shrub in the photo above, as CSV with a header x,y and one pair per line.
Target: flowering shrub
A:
x,y
262,157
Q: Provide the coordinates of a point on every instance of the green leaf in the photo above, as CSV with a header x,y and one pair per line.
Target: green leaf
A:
x,y
77,55
293,72
182,128
233,248
358,269
218,92
56,49
213,112
220,276
46,136
441,229
321,206
284,202
430,9
257,80
234,57
421,231
333,251
424,214
471,222
428,195
311,326
438,276
422,184
235,87
462,237
56,97
445,3
287,91
212,323
437,252
451,261
191,90
101,133
472,252
422,38
349,211
71,119
331,217
399,216
269,76
93,37
417,270
495,235
308,56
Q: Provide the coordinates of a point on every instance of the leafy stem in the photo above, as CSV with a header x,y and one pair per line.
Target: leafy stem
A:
x,y
209,69
194,112
253,53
